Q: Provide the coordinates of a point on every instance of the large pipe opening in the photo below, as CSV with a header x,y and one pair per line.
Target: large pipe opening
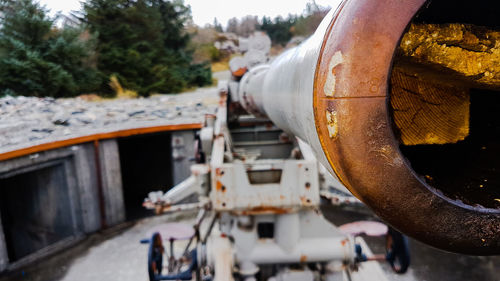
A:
x,y
444,99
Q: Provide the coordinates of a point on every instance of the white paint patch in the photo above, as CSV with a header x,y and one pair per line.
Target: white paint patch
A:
x,y
331,121
329,87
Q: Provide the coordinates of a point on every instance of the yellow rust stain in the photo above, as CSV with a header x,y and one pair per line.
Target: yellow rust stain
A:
x,y
390,155
332,123
303,258
335,61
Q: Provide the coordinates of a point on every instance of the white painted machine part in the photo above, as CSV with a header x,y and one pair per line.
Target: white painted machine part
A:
x,y
287,92
293,275
182,191
233,91
220,257
250,93
298,186
206,138
310,238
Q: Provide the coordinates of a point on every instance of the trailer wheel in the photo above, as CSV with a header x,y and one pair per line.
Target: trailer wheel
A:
x,y
398,253
155,256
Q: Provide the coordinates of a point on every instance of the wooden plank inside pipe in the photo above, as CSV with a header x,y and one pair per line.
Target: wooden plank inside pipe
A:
x,y
434,69
426,112
470,52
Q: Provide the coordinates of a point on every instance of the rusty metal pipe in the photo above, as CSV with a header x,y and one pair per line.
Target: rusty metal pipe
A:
x,y
332,92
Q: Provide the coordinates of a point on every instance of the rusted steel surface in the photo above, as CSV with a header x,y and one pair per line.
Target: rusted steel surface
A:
x,y
101,136
261,210
352,119
333,93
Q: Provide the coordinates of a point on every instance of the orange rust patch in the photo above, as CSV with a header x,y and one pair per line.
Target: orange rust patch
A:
x,y
239,72
266,210
219,172
303,258
218,186
305,200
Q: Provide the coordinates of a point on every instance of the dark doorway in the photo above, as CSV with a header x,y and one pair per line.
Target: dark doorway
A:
x,y
146,164
35,208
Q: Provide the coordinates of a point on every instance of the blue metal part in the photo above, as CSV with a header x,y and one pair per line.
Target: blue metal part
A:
x,y
360,257
155,261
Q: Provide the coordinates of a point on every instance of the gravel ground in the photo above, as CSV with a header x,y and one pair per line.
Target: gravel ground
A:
x,y
115,254
122,257
119,256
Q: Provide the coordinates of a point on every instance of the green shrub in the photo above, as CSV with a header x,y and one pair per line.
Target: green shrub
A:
x,y
37,59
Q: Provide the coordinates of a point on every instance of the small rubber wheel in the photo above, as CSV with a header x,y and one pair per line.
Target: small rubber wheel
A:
x,y
398,252
155,256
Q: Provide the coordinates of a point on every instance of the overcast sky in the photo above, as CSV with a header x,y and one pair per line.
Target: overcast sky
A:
x,y
204,11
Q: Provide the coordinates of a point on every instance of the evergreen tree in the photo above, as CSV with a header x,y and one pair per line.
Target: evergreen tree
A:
x,y
279,30
217,26
38,59
142,42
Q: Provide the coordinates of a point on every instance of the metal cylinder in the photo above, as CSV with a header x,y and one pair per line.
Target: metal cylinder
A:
x,y
250,94
332,92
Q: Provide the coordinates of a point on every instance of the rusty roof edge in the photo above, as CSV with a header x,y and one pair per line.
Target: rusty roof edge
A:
x,y
98,136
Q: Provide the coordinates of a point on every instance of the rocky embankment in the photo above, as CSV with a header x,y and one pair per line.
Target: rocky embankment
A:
x,y
29,121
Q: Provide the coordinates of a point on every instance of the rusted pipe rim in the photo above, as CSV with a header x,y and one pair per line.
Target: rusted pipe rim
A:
x,y
353,124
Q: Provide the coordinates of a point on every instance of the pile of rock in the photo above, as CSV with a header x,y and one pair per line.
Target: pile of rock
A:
x,y
27,121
